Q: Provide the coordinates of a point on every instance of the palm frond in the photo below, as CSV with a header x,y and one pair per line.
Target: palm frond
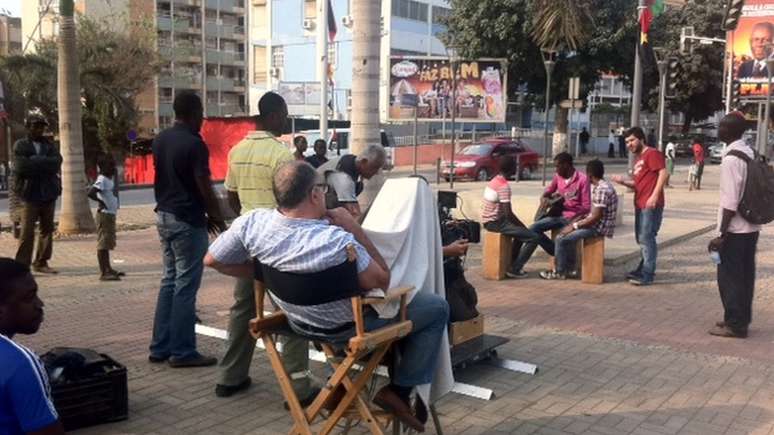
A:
x,y
559,24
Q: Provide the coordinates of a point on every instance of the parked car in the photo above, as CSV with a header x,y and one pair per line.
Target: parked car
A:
x,y
715,153
479,161
684,144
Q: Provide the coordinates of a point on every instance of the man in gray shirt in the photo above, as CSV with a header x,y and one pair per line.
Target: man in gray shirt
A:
x,y
345,177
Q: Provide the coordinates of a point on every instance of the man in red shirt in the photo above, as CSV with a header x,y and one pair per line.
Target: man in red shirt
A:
x,y
649,176
698,160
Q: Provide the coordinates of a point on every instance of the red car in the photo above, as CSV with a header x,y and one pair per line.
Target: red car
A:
x,y
479,161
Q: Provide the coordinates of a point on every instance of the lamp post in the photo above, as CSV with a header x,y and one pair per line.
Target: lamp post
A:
x,y
451,52
549,61
763,145
663,65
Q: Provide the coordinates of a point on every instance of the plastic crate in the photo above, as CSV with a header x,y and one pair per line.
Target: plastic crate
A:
x,y
100,398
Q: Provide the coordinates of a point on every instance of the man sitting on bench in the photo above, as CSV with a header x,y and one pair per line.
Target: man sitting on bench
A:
x,y
600,222
301,236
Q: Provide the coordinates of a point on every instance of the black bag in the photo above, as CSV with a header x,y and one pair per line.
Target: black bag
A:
x,y
553,207
757,204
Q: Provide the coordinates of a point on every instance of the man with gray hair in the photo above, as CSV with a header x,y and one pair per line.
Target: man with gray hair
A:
x,y
302,237
760,39
345,176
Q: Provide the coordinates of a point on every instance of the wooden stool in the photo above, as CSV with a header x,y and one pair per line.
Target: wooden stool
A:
x,y
593,269
497,255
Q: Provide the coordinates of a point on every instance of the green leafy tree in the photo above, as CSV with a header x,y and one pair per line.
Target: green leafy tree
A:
x,y
506,28
698,94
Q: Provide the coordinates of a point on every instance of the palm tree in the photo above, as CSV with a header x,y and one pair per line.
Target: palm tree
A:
x,y
561,25
75,215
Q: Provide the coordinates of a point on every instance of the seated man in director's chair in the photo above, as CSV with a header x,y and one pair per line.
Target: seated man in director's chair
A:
x,y
295,249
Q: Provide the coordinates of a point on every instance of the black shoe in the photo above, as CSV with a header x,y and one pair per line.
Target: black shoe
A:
x,y
230,390
157,359
196,361
634,274
640,282
518,274
305,402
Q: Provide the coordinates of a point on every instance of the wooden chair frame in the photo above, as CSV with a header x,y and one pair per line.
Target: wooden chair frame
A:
x,y
369,347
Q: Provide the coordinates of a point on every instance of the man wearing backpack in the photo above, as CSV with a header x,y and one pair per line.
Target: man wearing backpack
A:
x,y
738,237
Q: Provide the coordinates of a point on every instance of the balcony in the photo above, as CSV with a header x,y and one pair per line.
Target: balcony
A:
x,y
220,83
191,3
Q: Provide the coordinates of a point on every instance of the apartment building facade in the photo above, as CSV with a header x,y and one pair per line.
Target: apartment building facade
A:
x,y
10,35
283,50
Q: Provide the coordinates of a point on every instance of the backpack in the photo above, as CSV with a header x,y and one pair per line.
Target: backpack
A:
x,y
757,204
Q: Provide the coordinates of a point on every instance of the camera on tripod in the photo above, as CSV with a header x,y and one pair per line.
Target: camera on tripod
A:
x,y
455,229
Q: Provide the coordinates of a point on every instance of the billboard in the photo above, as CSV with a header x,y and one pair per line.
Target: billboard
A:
x,y
426,83
750,39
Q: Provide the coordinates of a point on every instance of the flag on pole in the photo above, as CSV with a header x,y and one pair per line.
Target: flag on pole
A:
x,y
331,23
653,8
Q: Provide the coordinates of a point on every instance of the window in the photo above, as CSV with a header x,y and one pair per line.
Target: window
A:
x,y
310,9
259,65
440,14
259,22
410,9
278,56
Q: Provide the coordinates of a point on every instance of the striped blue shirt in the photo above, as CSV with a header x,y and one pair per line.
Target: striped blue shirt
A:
x,y
292,245
25,394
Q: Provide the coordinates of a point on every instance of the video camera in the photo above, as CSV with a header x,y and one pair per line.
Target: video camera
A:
x,y
455,229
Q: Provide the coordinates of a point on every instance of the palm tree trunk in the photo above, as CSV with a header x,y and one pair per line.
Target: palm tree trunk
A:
x,y
75,215
559,142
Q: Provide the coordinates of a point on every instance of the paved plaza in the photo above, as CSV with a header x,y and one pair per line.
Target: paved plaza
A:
x,y
614,359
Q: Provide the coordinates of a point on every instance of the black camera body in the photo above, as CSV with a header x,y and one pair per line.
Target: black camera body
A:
x,y
455,229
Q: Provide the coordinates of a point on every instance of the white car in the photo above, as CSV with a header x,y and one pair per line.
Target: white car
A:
x,y
716,153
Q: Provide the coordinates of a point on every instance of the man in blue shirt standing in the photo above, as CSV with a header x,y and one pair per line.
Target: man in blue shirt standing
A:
x,y
25,395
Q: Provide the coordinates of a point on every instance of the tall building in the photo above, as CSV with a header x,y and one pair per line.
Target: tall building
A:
x,y
283,48
10,35
202,44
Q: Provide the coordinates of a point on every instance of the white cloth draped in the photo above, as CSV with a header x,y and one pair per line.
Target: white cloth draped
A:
x,y
404,226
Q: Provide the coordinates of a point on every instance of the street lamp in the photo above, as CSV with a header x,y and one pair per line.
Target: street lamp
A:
x,y
451,52
763,145
663,65
549,61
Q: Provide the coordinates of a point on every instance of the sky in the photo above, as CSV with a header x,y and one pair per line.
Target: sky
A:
x,y
13,6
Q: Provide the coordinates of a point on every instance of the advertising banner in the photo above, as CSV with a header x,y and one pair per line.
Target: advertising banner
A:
x,y
751,41
427,84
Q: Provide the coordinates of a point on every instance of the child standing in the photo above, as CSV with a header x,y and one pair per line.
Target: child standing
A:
x,y
103,191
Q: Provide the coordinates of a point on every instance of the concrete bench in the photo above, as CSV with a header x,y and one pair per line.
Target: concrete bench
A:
x,y
497,255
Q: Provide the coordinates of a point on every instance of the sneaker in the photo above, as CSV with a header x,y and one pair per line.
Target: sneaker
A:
x,y
306,401
230,390
157,359
517,274
550,274
573,275
641,282
196,361
727,332
634,274
44,269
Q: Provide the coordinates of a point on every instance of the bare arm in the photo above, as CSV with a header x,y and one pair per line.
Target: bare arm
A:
x,y
592,218
354,209
658,190
244,270
377,275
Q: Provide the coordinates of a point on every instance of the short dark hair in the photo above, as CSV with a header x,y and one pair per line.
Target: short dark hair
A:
x,y
187,104
563,157
322,141
595,168
270,102
105,160
292,183
297,139
10,270
506,165
636,132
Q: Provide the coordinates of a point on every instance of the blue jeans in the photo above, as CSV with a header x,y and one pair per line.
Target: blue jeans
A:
x,y
539,228
429,314
565,248
647,222
183,247
529,241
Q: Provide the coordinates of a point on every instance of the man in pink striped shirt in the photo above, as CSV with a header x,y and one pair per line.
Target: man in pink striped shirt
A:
x,y
497,216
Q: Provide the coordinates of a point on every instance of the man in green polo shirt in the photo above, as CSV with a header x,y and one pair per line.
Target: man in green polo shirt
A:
x,y
251,166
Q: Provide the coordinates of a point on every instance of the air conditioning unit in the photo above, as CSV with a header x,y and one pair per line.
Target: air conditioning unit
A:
x,y
347,21
309,24
275,72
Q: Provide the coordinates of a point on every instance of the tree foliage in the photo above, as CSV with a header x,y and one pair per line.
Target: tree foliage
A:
x,y
117,61
700,73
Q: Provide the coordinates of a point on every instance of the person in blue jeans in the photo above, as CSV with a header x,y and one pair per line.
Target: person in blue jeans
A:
x,y
600,222
649,176
186,209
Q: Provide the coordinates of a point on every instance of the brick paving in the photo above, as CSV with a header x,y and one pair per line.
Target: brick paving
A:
x,y
614,359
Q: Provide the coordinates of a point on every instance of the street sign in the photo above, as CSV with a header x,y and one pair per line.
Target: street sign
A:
x,y
131,135
571,104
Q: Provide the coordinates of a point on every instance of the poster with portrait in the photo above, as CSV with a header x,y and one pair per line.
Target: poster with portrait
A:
x,y
477,93
751,41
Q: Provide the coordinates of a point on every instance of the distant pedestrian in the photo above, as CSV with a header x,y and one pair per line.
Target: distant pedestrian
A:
x,y
669,153
584,137
698,161
621,144
103,191
611,141
37,164
318,158
301,145
186,208
649,178
738,239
